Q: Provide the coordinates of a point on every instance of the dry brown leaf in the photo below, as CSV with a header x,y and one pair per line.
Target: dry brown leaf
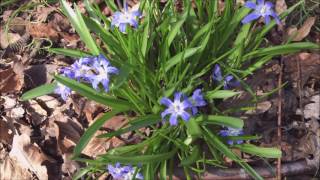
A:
x,y
6,133
29,156
10,169
12,79
312,110
8,38
42,13
304,31
281,6
42,30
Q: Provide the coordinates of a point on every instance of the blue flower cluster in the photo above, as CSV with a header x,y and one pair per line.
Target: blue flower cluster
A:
x,y
95,70
119,172
228,82
232,132
122,19
181,105
261,9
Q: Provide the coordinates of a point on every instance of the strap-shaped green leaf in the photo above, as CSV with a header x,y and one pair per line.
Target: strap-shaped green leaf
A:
x,y
139,159
78,23
220,94
142,122
89,133
259,151
92,94
221,120
39,91
180,57
69,52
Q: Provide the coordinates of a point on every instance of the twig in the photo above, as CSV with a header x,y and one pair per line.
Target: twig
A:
x,y
299,89
287,169
279,118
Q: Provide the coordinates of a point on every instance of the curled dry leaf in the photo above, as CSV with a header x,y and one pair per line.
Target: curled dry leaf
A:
x,y
12,79
29,156
8,38
299,35
10,169
6,133
281,6
312,110
42,30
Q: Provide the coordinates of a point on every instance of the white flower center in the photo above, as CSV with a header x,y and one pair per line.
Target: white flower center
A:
x,y
263,10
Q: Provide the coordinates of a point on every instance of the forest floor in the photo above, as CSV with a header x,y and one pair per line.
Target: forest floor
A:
x,y
39,134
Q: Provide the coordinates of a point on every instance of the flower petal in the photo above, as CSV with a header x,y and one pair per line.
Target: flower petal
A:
x,y
217,75
166,101
185,116
269,4
165,113
276,17
250,4
173,120
260,1
122,27
267,19
177,96
250,17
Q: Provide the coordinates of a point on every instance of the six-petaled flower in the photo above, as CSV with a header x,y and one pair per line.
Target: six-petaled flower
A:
x,y
122,19
177,108
261,9
232,132
119,172
102,70
228,82
94,70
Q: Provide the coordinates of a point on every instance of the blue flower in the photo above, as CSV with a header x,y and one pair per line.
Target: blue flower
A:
x,y
228,82
122,19
63,91
102,70
262,9
232,132
197,100
119,172
176,108
82,68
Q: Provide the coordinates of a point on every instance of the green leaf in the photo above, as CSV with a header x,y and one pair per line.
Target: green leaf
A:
x,y
141,122
89,133
222,120
93,94
39,91
259,151
220,94
193,157
281,49
69,52
193,128
139,159
180,57
78,23
216,142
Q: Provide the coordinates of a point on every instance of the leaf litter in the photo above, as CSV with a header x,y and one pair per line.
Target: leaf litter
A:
x,y
38,137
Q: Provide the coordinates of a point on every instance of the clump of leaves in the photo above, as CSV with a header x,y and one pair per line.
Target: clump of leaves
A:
x,y
163,59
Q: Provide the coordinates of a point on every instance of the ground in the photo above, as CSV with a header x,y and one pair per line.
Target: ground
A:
x,y
39,134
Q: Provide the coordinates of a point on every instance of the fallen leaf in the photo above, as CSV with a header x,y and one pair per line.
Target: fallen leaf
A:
x,y
10,169
42,13
42,30
29,156
304,30
6,133
312,110
11,80
8,38
281,6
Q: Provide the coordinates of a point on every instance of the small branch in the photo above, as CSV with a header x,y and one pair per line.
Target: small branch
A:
x,y
279,118
287,169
